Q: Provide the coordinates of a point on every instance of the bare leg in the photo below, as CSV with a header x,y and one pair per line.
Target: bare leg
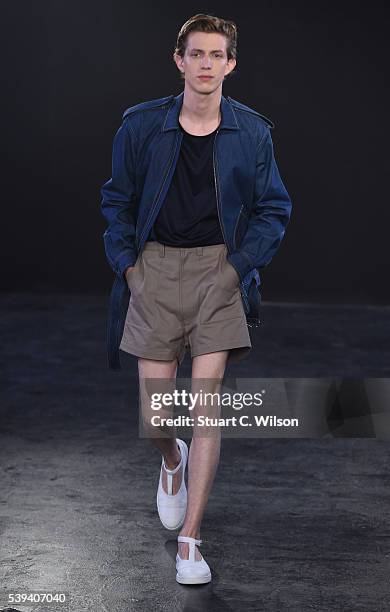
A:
x,y
150,368
204,452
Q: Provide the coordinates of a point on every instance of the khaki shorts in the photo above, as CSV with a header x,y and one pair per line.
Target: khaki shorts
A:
x,y
184,297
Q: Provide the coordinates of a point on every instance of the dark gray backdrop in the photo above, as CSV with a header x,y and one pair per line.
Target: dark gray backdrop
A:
x,y
316,69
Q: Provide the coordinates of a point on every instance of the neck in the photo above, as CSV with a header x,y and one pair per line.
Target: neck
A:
x,y
199,108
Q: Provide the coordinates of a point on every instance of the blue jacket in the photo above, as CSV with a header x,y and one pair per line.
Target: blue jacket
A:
x,y
253,205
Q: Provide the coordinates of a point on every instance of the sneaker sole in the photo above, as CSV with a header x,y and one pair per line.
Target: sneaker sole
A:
x,y
194,580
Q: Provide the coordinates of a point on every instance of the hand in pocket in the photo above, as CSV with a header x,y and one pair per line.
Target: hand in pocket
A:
x,y
236,278
128,275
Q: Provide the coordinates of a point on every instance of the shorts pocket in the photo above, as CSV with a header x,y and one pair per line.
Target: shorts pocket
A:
x,y
132,276
220,300
230,276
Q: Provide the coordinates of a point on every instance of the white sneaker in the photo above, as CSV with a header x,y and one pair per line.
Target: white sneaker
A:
x,y
172,508
188,570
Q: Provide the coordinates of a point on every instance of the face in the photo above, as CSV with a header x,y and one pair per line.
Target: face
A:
x,y
205,55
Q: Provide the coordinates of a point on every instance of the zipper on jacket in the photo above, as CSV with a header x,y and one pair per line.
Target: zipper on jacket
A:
x,y
159,192
219,216
216,191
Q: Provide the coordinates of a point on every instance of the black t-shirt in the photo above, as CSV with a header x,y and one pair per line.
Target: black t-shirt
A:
x,y
188,216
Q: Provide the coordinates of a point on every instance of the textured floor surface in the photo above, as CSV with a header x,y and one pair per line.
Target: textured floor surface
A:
x,y
291,524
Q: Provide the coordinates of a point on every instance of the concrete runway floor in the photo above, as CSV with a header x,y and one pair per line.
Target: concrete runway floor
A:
x,y
291,524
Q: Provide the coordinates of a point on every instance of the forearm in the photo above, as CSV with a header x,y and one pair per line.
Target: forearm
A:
x,y
118,204
270,214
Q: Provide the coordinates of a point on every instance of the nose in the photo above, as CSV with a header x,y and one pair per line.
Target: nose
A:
x,y
206,62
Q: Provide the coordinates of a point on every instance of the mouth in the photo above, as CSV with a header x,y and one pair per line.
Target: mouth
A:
x,y
205,78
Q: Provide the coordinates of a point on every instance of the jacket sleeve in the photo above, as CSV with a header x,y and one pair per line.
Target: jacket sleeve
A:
x,y
118,204
270,213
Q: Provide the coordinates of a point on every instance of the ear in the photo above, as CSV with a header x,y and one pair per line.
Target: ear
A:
x,y
179,62
230,65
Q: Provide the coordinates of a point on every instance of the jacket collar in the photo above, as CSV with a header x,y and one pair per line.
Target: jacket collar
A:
x,y
228,117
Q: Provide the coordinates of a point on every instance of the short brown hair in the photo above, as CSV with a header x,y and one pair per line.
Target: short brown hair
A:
x,y
208,23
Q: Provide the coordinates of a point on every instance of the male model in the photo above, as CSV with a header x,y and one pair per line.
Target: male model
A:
x,y
195,207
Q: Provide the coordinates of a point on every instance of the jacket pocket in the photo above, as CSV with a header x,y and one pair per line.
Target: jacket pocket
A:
x,y
240,226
